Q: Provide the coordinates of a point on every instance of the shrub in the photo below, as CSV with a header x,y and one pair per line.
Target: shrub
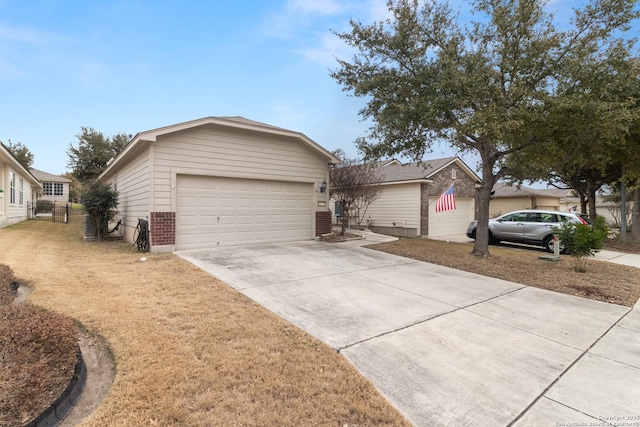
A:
x,y
99,201
582,241
44,206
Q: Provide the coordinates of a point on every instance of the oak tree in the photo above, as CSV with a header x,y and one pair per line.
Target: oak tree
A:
x,y
482,87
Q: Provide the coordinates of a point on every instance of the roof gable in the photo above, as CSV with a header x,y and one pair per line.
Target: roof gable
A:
x,y
47,177
231,122
505,189
396,172
6,156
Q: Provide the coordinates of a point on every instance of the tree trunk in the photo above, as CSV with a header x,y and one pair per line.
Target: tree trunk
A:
x,y
481,246
635,217
591,197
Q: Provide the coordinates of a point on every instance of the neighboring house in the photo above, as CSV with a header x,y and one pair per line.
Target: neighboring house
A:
x,y
54,188
222,181
18,188
406,203
507,198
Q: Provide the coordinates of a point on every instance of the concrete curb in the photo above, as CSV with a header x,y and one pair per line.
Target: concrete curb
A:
x,y
67,400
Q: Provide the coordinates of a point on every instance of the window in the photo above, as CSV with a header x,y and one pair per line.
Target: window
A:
x,y
21,191
12,187
515,217
47,188
53,188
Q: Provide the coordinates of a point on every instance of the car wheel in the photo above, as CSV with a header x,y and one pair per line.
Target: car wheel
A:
x,y
549,244
492,239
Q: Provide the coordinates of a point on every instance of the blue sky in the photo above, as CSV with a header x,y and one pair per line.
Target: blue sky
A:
x,y
135,65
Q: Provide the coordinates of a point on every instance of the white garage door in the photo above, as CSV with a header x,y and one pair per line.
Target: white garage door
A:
x,y
214,211
450,222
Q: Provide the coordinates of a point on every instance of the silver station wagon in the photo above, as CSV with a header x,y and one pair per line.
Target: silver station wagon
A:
x,y
533,227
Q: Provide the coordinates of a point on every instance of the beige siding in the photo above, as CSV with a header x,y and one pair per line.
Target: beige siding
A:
x,y
505,205
132,184
17,211
399,204
216,151
547,203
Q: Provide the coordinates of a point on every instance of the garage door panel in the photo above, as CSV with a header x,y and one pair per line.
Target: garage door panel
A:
x,y
216,211
453,221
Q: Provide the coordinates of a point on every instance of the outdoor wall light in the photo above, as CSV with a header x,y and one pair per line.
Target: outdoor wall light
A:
x,y
323,186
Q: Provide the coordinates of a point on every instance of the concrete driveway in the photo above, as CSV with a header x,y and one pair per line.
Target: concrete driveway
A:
x,y
444,346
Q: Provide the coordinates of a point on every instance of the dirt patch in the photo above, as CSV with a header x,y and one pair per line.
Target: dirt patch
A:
x,y
603,281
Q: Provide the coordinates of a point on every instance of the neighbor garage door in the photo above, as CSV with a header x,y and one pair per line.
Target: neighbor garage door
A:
x,y
450,222
214,211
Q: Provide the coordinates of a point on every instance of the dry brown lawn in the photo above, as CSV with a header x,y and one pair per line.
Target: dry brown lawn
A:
x,y
603,281
189,349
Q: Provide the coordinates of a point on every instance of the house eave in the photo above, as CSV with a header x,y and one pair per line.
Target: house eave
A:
x,y
152,136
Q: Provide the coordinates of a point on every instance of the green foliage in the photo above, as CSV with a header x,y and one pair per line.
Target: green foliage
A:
x,y
582,241
100,200
93,152
21,153
484,88
44,206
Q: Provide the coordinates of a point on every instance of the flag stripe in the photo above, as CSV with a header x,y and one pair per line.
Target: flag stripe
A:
x,y
447,200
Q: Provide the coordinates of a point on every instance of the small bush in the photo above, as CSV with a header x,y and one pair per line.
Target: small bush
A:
x,y
99,201
582,241
44,206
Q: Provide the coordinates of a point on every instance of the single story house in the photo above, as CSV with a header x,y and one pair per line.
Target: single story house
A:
x,y
507,198
55,188
406,205
222,181
18,188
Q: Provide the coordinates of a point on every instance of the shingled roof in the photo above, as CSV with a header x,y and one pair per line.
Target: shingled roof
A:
x,y
394,171
504,189
47,177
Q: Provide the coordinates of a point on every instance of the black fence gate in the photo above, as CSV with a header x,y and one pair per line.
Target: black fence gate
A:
x,y
44,210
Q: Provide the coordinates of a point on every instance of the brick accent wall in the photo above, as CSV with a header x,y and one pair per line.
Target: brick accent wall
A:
x,y
163,228
323,223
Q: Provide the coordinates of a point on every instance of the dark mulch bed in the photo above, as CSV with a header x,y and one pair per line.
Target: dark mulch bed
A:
x,y
37,355
335,237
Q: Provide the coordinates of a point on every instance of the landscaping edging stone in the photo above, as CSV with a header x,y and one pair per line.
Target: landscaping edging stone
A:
x,y
59,409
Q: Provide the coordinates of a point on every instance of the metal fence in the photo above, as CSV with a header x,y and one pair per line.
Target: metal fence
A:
x,y
50,211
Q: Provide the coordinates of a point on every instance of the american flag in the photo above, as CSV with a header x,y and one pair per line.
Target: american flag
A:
x,y
447,200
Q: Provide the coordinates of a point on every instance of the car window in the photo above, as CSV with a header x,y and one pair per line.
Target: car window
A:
x,y
533,217
515,217
548,217
565,218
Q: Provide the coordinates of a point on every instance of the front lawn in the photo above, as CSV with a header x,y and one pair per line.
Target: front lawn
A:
x,y
603,281
189,350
